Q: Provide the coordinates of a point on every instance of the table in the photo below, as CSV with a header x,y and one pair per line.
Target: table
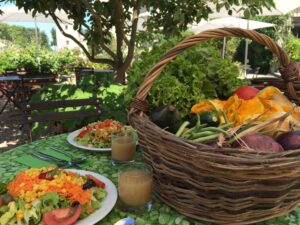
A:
x,y
98,76
19,93
101,163
10,93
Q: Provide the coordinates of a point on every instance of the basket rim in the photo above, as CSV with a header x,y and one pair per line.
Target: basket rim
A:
x,y
231,153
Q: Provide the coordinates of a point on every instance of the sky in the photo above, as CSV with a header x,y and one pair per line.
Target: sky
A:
x,y
46,27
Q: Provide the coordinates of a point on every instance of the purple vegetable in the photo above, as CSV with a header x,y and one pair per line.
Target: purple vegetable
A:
x,y
258,142
290,140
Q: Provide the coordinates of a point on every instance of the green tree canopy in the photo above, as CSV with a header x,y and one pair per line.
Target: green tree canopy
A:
x,y
102,22
22,36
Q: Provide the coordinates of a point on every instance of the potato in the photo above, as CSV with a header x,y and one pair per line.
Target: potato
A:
x,y
258,142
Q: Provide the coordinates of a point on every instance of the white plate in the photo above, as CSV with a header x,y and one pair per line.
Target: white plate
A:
x,y
71,140
106,205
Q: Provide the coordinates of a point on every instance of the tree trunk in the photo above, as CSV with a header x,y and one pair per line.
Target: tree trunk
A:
x,y
120,78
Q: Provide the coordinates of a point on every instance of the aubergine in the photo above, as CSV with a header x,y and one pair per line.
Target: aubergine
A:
x,y
290,140
167,117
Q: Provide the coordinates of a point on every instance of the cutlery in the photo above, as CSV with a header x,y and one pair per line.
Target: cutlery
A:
x,y
62,152
74,161
69,155
60,163
66,163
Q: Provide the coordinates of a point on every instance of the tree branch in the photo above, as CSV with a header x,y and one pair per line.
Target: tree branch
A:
x,y
118,18
97,19
90,57
131,44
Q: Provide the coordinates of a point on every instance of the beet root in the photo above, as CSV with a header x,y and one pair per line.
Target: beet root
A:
x,y
258,142
290,140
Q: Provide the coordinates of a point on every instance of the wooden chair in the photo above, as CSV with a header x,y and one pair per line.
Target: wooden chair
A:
x,y
45,112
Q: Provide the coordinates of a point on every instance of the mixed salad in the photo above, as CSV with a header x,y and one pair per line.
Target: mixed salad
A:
x,y
49,196
98,134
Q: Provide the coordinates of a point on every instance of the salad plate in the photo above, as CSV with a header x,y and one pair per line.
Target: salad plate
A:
x,y
71,139
51,195
97,136
106,205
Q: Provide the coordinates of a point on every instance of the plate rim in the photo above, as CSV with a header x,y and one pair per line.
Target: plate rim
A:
x,y
70,139
111,191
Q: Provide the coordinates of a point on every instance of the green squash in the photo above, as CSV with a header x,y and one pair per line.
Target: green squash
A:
x,y
166,117
211,119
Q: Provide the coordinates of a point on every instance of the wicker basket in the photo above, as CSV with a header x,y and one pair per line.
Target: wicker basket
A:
x,y
236,187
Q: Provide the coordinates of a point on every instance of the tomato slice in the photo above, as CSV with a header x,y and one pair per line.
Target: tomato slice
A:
x,y
98,182
65,216
83,133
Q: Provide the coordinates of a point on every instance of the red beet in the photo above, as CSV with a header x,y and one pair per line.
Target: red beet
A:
x,y
290,140
258,142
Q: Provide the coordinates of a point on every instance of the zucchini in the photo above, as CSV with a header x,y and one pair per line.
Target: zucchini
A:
x,y
166,117
210,118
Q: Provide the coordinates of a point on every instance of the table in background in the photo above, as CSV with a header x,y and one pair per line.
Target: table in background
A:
x,y
101,163
99,77
18,88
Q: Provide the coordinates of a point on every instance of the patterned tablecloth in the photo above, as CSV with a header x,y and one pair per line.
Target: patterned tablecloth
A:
x,y
101,163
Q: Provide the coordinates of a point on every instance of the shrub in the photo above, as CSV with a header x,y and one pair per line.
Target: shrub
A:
x,y
35,60
292,47
8,59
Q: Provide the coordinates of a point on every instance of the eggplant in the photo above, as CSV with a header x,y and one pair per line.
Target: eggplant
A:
x,y
290,140
166,117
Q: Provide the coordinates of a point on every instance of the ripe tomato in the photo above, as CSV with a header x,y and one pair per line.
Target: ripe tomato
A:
x,y
246,92
65,216
99,183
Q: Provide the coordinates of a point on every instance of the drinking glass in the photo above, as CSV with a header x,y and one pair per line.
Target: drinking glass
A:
x,y
135,186
123,147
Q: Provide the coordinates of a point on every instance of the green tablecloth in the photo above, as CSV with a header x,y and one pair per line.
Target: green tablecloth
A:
x,y
101,163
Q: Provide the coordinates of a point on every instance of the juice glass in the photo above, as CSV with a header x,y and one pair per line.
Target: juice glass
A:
x,y
123,147
135,186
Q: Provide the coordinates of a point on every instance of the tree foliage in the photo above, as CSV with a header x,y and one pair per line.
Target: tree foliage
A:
x,y
22,36
100,20
259,56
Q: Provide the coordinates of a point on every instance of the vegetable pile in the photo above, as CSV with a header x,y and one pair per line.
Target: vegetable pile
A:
x,y
98,134
51,195
198,73
262,120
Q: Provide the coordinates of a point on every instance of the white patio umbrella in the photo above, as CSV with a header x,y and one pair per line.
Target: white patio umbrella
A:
x,y
12,14
282,7
231,22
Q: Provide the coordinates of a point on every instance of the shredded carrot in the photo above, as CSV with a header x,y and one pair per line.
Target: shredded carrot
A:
x,y
29,186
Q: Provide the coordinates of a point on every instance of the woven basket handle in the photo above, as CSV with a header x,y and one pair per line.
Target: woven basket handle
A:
x,y
289,70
